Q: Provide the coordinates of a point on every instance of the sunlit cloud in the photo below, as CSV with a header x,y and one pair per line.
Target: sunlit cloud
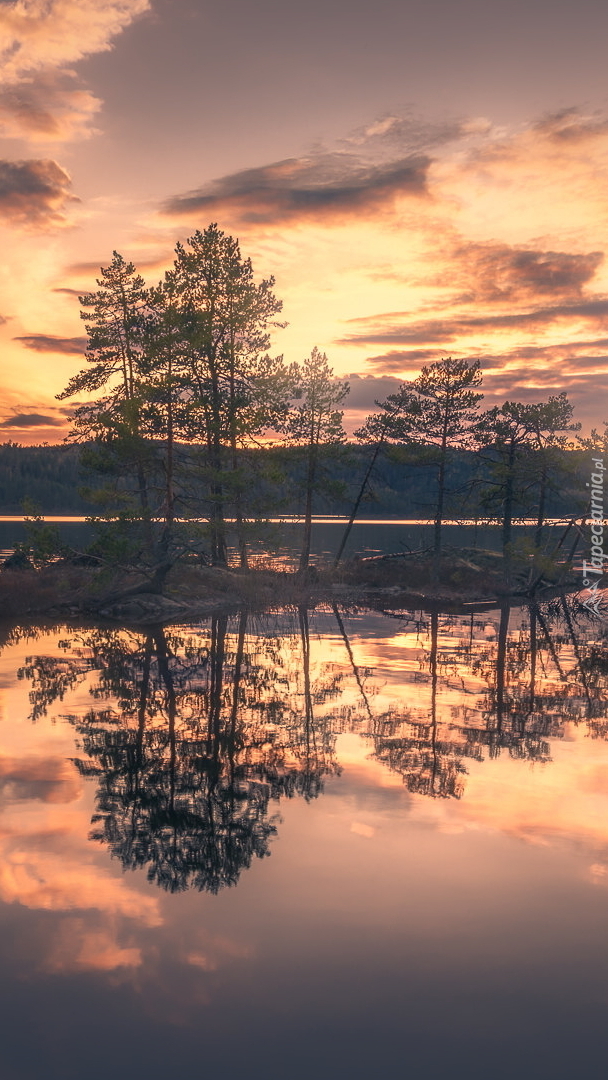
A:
x,y
397,133
36,34
38,878
494,272
325,185
370,168
39,39
34,194
78,947
49,108
442,331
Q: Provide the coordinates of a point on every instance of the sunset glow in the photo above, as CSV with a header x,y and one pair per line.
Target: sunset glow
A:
x,y
415,192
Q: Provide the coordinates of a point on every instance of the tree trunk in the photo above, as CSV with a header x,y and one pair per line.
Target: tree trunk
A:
x,y
507,521
355,508
238,510
542,496
310,481
439,515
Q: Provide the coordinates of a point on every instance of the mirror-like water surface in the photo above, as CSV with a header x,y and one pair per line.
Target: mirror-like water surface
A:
x,y
322,844
280,542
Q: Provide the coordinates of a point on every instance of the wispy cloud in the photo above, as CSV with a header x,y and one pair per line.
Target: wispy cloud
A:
x,y
49,343
500,272
445,331
31,420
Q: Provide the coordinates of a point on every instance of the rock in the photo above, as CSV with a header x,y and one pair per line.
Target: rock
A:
x,y
144,608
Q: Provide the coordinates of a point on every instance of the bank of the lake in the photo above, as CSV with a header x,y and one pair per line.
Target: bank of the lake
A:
x,y
71,588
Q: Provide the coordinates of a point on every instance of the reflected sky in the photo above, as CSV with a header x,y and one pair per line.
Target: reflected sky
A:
x,y
330,843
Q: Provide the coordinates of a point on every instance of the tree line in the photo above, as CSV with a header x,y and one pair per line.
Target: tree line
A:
x,y
189,417
53,479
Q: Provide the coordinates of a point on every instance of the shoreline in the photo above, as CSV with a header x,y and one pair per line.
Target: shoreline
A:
x,y
64,589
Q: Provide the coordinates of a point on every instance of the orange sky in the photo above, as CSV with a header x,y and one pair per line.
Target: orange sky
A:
x,y
416,191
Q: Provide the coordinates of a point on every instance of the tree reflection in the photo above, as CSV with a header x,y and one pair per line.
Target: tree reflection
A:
x,y
205,733
545,673
422,749
194,734
537,675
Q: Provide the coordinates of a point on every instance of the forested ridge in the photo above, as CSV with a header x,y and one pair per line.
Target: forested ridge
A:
x,y
52,479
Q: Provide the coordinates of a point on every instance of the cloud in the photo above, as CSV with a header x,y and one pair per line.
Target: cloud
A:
x,y
396,134
27,420
34,193
49,108
38,40
68,292
569,125
93,268
399,361
365,390
78,947
37,34
36,877
525,373
448,329
552,137
323,185
499,272
48,343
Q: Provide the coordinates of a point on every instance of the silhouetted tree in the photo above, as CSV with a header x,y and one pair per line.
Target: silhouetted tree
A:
x,y
312,422
524,442
436,412
234,389
117,366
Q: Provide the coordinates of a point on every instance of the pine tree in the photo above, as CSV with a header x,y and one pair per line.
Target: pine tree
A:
x,y
226,321
436,411
116,317
314,421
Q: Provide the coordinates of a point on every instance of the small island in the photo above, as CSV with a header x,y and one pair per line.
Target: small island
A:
x,y
190,438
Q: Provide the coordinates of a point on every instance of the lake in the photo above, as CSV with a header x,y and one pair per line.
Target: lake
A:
x,y
331,844
281,539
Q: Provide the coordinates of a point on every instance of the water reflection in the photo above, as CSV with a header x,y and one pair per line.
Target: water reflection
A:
x,y
196,734
439,868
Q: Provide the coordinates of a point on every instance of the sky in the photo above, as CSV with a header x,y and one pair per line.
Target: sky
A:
x,y
423,178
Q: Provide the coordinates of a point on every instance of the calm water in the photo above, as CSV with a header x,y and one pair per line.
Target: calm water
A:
x,y
281,541
306,845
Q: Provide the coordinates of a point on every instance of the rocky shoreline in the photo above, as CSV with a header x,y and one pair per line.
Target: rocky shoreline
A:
x,y
468,581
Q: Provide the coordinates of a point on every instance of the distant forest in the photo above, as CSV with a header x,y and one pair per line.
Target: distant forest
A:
x,y
53,479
